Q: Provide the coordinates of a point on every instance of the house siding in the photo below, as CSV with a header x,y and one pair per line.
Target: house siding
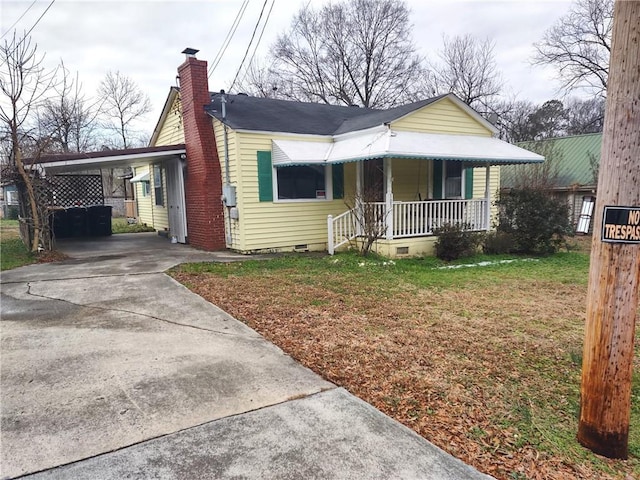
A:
x,y
172,130
145,209
277,226
443,116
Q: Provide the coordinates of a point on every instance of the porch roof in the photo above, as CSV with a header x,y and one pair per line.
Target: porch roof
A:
x,y
382,142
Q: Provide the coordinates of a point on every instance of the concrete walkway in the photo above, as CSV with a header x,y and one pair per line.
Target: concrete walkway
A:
x,y
111,369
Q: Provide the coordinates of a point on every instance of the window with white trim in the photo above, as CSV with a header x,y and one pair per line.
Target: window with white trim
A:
x,y
302,182
157,185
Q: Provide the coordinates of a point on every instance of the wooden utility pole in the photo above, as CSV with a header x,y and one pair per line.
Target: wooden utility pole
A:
x,y
614,275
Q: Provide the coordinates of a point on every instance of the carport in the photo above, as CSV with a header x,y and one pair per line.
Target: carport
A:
x,y
170,158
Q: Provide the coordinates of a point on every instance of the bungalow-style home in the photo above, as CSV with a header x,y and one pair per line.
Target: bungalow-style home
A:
x,y
267,175
574,164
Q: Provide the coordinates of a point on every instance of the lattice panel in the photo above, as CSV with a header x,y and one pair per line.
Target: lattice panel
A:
x,y
77,190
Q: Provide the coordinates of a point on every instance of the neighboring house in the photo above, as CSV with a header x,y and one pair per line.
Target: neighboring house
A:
x,y
574,163
273,175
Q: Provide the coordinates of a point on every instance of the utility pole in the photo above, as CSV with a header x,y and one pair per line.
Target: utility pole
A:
x,y
614,275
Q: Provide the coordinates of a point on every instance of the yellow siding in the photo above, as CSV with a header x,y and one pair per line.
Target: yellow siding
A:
x,y
172,130
443,116
272,225
148,212
145,210
410,180
160,214
479,182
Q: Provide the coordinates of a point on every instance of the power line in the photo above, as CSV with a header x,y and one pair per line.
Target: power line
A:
x,y
249,46
26,35
228,38
264,26
19,18
39,18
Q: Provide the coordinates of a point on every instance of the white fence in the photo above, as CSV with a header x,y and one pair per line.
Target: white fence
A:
x,y
409,219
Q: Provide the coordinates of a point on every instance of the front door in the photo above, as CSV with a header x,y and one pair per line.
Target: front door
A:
x,y
373,181
175,200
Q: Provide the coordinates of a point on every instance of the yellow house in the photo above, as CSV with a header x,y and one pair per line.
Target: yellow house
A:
x,y
270,175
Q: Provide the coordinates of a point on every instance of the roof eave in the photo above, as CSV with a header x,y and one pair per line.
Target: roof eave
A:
x,y
171,98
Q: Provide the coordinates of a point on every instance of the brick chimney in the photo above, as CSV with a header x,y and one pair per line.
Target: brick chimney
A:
x,y
203,182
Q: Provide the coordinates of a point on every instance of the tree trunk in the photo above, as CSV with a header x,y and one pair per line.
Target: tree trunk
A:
x,y
614,276
33,205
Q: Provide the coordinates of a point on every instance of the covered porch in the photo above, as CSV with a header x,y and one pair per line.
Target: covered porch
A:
x,y
407,184
452,199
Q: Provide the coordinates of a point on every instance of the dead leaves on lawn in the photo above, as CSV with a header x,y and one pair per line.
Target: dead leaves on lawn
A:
x,y
469,369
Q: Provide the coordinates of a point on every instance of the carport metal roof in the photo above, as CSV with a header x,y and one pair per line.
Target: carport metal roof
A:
x,y
130,157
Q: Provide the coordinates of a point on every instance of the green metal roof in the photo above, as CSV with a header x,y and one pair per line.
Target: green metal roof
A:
x,y
571,155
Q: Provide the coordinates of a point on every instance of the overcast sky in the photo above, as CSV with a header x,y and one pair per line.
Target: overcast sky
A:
x,y
143,39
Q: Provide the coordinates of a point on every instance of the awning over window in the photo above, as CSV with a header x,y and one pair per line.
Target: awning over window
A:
x,y
382,142
141,177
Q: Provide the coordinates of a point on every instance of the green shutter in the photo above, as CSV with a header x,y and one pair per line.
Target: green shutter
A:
x,y
437,179
337,172
468,183
265,177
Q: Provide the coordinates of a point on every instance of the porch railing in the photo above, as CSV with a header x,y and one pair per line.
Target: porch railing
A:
x,y
416,219
342,229
409,219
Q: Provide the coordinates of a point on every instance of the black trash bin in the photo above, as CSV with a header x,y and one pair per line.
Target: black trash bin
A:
x,y
99,220
77,222
60,224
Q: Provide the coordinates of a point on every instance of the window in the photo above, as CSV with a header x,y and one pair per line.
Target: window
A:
x,y
307,182
302,182
453,180
146,188
157,185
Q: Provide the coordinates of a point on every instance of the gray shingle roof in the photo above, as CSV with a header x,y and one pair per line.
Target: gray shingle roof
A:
x,y
271,115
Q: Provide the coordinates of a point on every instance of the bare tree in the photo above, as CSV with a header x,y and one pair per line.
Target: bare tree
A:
x,y
67,119
467,67
513,119
24,84
357,52
122,104
260,80
585,116
579,46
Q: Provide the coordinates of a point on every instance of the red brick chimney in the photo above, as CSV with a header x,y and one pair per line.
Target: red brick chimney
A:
x,y
203,182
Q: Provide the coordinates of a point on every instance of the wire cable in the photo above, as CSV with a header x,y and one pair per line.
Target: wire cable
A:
x,y
26,35
19,18
249,46
228,38
264,26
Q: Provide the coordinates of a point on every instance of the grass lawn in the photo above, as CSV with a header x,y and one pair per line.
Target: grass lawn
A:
x,y
120,225
483,361
13,253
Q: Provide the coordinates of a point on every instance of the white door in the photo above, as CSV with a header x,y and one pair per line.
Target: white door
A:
x,y
175,199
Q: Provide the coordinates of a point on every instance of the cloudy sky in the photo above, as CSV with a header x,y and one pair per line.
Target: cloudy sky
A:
x,y
143,39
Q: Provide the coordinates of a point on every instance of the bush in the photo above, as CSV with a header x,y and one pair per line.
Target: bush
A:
x,y
496,243
537,222
454,242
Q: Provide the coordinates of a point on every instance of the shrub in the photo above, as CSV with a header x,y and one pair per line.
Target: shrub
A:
x,y
496,243
454,242
537,222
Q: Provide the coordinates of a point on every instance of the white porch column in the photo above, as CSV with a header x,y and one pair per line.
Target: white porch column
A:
x,y
388,176
359,197
487,196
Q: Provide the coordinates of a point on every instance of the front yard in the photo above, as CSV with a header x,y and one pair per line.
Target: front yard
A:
x,y
483,361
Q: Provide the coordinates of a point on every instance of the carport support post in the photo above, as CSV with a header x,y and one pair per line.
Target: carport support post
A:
x,y
614,275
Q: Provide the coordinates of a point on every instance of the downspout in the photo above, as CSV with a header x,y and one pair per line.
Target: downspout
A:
x,y
228,192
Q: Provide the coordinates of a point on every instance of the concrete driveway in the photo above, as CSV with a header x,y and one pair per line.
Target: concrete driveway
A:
x,y
111,369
